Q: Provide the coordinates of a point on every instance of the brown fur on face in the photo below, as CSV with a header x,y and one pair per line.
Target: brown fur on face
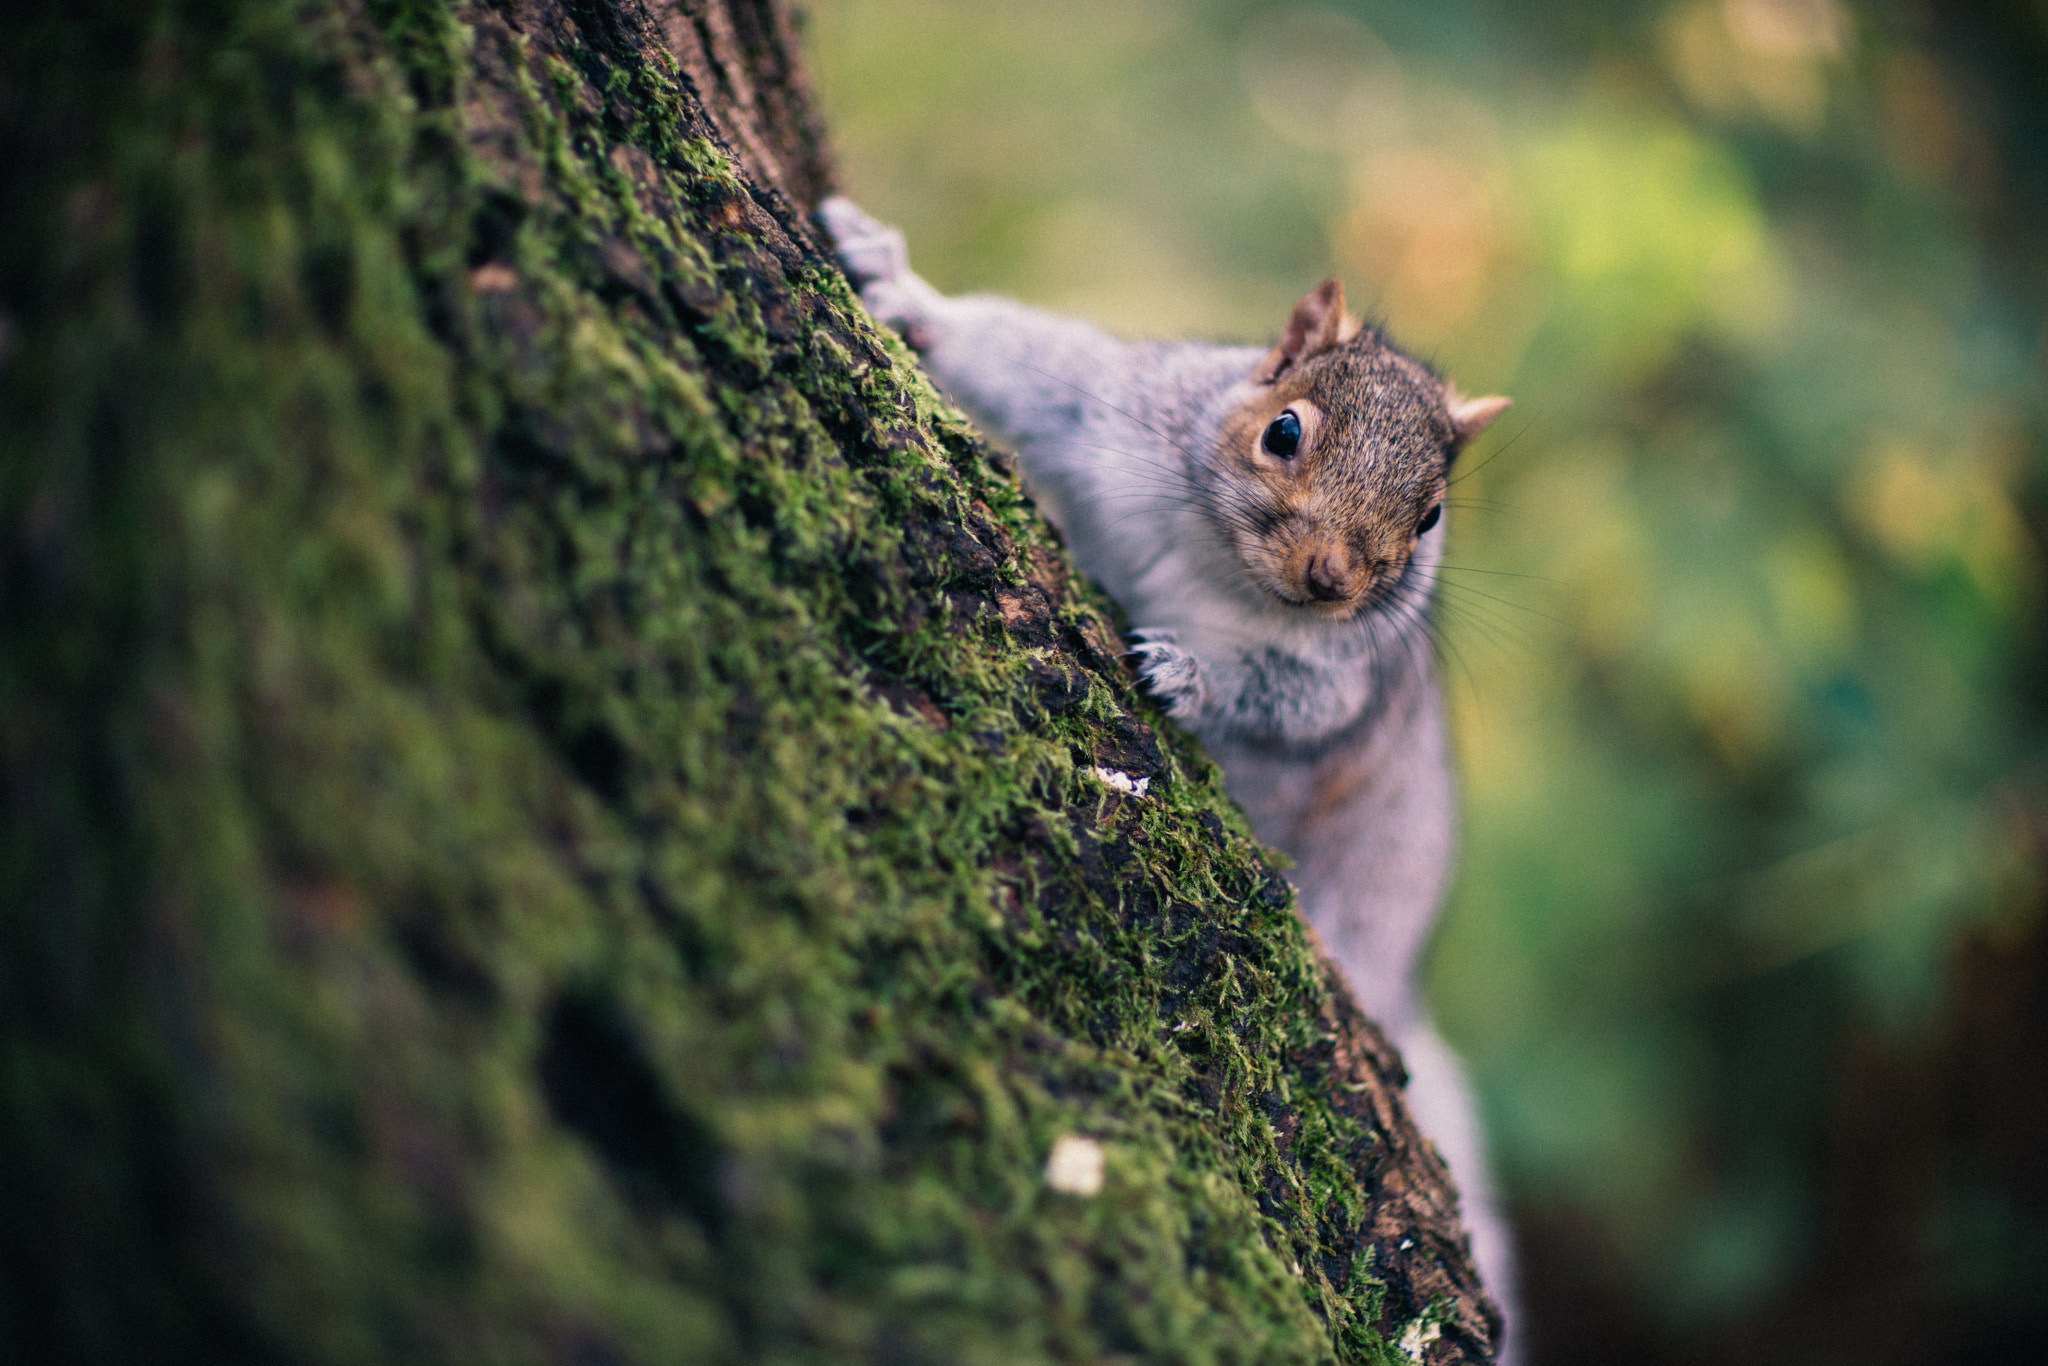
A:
x,y
1332,528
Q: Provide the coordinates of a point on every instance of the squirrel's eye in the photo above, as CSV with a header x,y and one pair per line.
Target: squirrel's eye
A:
x,y
1429,519
1283,436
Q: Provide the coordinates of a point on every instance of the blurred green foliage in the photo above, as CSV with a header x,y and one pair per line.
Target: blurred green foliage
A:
x,y
1742,634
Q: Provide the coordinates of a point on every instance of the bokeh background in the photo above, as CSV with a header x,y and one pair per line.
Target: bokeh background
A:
x,y
1746,951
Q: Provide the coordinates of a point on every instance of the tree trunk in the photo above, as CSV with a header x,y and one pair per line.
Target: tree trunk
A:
x,y
551,792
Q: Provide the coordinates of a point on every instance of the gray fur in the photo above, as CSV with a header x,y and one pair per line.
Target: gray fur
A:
x,y
1330,732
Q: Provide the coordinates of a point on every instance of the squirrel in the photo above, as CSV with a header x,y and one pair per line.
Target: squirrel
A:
x,y
1271,521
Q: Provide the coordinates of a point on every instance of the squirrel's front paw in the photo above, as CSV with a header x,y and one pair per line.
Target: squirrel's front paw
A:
x,y
878,263
1169,673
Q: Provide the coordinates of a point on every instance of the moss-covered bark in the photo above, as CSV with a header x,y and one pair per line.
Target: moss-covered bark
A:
x,y
547,786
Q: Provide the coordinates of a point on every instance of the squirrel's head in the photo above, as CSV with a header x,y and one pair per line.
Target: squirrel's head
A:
x,y
1332,472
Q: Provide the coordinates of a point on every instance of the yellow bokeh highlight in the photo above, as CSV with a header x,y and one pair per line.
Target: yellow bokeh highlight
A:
x,y
1927,508
1426,227
1813,600
1650,230
1767,57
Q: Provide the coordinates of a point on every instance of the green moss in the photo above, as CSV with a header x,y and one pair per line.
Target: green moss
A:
x,y
549,810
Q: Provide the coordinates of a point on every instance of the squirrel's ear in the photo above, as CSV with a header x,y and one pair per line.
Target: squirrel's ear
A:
x,y
1315,325
1471,416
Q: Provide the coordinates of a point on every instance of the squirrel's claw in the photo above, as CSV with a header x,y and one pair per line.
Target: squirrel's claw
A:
x,y
1169,673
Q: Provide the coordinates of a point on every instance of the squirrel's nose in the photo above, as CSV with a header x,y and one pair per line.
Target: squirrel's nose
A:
x,y
1327,578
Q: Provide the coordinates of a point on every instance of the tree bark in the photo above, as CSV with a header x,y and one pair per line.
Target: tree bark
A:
x,y
551,792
